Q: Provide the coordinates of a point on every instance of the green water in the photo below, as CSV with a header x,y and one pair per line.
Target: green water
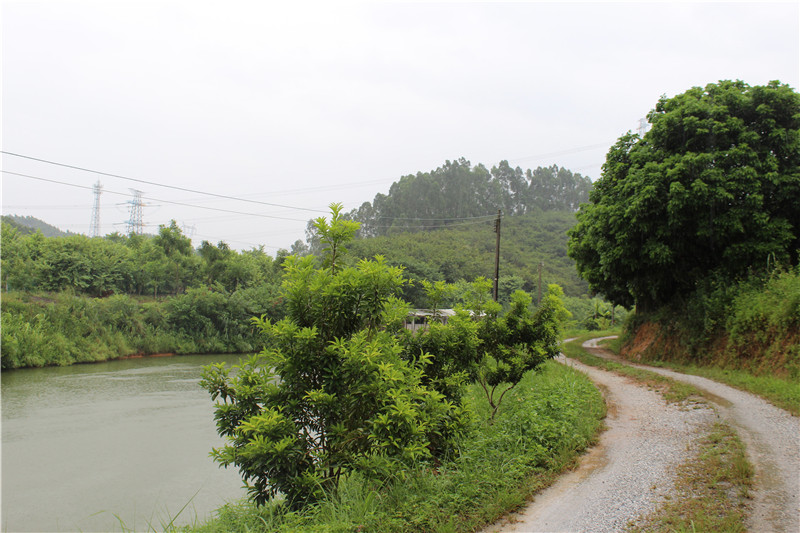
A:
x,y
95,447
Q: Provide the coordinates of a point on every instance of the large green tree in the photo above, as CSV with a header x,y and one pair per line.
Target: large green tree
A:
x,y
711,191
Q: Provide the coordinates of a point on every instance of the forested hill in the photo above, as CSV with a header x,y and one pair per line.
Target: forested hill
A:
x,y
27,225
468,251
457,191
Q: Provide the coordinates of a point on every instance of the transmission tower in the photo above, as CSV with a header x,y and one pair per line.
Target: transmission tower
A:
x,y
135,224
189,230
643,127
94,227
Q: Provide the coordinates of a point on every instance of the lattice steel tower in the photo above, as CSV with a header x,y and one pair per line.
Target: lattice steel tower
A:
x,y
94,226
135,224
643,126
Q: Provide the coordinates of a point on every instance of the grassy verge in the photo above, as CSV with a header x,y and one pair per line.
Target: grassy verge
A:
x,y
542,426
672,390
712,489
779,392
783,393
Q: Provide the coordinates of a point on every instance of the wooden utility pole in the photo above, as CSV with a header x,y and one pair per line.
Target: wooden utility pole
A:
x,y
497,254
540,284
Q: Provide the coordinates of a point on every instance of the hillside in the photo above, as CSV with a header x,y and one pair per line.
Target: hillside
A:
x,y
467,252
439,225
27,225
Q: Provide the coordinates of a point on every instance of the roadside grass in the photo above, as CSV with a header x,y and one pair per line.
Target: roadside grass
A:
x,y
545,422
712,489
672,390
783,393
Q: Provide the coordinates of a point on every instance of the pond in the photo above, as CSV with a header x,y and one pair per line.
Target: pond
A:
x,y
111,446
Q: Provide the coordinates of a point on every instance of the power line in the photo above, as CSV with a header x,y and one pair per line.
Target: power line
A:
x,y
433,226
184,189
261,215
563,152
482,217
485,217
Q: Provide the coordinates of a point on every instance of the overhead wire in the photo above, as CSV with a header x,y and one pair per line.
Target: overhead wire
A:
x,y
194,191
563,152
218,209
175,187
455,221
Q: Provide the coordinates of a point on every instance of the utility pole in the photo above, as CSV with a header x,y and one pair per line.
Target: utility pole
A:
x,y
540,283
497,254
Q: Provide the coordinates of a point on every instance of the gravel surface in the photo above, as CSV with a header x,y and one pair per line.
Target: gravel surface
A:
x,y
772,437
633,466
628,473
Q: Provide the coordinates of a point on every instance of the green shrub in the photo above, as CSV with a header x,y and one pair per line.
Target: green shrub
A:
x,y
329,395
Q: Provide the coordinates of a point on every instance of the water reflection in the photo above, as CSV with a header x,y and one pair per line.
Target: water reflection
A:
x,y
85,444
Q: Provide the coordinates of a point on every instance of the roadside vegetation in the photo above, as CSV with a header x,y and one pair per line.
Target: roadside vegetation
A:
x,y
545,422
746,335
712,490
672,390
349,421
696,224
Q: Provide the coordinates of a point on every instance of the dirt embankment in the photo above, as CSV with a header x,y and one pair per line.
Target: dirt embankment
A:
x,y
760,351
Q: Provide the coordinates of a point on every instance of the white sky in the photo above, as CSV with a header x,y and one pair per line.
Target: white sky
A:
x,y
314,103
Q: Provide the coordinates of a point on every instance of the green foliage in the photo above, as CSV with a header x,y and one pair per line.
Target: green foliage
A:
x,y
593,314
551,417
747,334
28,225
62,329
135,264
330,394
771,309
457,190
468,252
518,342
709,192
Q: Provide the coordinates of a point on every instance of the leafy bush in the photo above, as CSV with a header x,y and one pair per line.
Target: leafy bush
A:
x,y
329,395
550,416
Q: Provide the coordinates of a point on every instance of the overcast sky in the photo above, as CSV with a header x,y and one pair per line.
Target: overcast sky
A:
x,y
306,104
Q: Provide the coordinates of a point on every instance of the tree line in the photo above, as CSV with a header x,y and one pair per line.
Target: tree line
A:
x,y
141,265
457,191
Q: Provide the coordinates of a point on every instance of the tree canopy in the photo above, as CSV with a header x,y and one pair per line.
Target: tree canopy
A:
x,y
711,191
457,191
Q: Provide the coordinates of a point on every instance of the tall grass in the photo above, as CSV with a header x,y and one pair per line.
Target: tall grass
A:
x,y
546,422
63,328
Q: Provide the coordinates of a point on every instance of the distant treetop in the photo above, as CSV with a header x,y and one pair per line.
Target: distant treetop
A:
x,y
457,192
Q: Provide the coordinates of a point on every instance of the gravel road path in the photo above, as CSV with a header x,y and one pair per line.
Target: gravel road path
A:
x,y
630,469
772,437
633,466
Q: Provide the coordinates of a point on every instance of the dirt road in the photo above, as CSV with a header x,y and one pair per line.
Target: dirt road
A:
x,y
633,466
772,437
